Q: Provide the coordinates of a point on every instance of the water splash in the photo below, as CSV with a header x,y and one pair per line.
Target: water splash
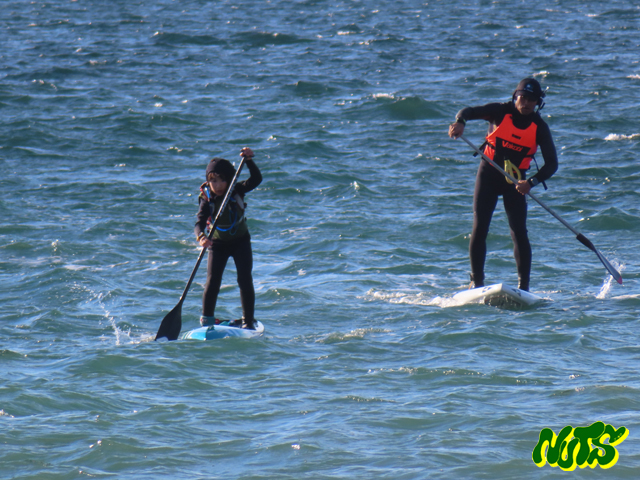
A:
x,y
410,298
122,336
608,282
119,333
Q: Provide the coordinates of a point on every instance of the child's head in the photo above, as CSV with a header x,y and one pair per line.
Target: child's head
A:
x,y
219,174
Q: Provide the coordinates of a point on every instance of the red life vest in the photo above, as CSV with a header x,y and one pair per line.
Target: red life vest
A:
x,y
510,143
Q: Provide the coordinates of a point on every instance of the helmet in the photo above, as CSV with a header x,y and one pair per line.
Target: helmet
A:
x,y
221,167
530,87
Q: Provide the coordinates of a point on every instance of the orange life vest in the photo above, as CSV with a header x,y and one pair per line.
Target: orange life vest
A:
x,y
510,143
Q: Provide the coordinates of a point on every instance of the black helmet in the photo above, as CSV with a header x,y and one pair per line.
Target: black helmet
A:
x,y
529,87
221,167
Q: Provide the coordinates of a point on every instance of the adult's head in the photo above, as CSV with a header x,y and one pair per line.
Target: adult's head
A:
x,y
528,95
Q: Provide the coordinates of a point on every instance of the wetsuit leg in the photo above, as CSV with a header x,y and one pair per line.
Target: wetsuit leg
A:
x,y
515,204
243,258
216,264
485,199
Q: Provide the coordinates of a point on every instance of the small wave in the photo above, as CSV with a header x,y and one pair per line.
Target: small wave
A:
x,y
311,88
9,355
612,137
53,73
39,152
350,29
633,299
407,108
131,19
405,298
613,219
487,25
382,41
162,38
262,39
359,399
358,333
313,148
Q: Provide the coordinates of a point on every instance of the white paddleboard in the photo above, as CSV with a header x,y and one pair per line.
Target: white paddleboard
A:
x,y
222,331
498,295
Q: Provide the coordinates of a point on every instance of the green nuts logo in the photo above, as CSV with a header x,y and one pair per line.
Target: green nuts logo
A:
x,y
579,447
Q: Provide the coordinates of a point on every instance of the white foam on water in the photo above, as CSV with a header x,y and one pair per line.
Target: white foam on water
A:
x,y
605,290
617,136
413,299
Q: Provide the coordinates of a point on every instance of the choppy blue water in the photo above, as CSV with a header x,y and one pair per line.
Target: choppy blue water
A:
x,y
110,112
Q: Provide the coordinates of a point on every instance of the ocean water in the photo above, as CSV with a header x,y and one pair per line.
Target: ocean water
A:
x,y
110,113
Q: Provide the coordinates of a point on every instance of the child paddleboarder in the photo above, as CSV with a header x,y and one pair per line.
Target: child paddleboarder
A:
x,y
231,237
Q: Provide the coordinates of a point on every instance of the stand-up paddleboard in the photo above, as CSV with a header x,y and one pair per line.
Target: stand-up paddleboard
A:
x,y
221,331
498,295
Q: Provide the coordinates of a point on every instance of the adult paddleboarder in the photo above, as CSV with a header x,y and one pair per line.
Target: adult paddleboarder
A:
x,y
516,130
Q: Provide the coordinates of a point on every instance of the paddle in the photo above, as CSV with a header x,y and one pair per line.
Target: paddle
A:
x,y
172,323
581,238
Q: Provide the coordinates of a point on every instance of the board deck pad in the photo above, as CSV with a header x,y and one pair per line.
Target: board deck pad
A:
x,y
222,331
498,295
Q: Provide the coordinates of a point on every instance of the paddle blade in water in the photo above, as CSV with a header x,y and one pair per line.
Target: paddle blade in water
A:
x,y
612,271
171,324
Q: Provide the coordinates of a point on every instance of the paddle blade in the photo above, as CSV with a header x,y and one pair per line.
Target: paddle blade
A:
x,y
587,243
171,324
614,273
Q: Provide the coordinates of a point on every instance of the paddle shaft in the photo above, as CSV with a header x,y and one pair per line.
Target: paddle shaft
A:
x,y
581,238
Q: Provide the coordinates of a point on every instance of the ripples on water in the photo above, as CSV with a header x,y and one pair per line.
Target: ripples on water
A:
x,y
360,236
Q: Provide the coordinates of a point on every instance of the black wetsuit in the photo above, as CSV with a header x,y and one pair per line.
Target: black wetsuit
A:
x,y
233,242
490,184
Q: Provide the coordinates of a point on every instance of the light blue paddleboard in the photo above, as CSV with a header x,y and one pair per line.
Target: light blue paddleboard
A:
x,y
222,331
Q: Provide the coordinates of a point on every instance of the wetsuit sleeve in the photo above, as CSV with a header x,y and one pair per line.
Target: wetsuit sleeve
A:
x,y
204,212
255,178
549,154
492,112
